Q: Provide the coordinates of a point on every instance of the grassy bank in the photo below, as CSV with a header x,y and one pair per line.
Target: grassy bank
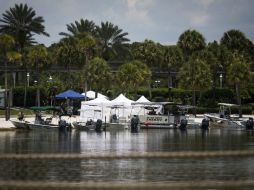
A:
x,y
14,112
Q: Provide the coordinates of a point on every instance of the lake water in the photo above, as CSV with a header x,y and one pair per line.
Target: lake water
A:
x,y
138,170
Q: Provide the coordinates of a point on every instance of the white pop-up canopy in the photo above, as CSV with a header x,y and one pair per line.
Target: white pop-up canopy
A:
x,y
101,100
138,106
92,107
122,100
142,99
91,94
123,106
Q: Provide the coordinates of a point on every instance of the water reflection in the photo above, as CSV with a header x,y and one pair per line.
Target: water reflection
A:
x,y
119,142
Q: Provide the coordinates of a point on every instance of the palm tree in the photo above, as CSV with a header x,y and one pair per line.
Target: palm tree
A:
x,y
77,28
21,23
195,75
112,40
98,73
191,41
132,75
238,74
149,53
67,54
6,43
235,40
37,57
87,47
172,60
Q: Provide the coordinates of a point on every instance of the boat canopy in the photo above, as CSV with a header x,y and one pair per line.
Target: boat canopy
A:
x,y
153,103
228,105
45,108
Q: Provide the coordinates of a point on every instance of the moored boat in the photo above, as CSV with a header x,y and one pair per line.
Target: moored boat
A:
x,y
163,115
225,119
53,121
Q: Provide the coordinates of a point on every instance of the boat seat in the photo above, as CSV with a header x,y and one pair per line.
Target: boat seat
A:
x,y
48,120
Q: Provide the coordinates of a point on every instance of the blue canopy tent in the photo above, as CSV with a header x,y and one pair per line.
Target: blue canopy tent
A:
x,y
70,94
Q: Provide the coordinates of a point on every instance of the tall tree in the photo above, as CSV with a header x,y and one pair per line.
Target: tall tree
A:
x,y
149,53
172,61
195,75
191,41
67,55
6,43
22,23
235,40
37,57
238,74
133,75
112,40
87,48
98,74
79,27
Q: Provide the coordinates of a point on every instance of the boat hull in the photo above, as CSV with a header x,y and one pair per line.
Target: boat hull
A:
x,y
20,124
117,126
160,121
216,121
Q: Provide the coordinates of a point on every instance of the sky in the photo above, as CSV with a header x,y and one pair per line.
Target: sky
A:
x,y
162,21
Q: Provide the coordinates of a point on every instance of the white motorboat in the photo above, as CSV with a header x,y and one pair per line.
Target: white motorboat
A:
x,y
40,122
225,119
164,115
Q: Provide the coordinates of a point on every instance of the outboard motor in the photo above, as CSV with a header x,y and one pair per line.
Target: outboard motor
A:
x,y
249,124
62,124
183,124
113,119
98,125
205,124
134,124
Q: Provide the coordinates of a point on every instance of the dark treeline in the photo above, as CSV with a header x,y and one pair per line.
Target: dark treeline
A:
x,y
100,57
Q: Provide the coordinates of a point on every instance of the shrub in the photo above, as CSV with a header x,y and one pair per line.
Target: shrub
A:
x,y
19,92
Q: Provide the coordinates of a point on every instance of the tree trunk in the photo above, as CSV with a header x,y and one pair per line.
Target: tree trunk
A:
x,y
25,93
150,91
238,96
6,91
169,86
38,85
86,65
194,101
214,86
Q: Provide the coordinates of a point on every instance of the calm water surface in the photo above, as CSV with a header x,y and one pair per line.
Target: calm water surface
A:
x,y
47,141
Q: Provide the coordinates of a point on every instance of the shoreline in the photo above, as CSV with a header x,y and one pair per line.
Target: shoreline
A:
x,y
8,126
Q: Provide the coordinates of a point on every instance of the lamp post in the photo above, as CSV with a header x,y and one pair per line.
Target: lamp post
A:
x,y
51,95
221,76
157,82
27,75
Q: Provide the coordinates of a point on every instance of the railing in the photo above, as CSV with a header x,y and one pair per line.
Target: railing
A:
x,y
66,185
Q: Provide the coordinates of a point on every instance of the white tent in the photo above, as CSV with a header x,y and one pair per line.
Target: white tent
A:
x,y
142,99
97,101
122,100
138,109
91,94
99,108
123,106
90,112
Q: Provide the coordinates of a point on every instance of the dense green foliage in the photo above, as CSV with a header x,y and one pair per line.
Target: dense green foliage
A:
x,y
100,57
